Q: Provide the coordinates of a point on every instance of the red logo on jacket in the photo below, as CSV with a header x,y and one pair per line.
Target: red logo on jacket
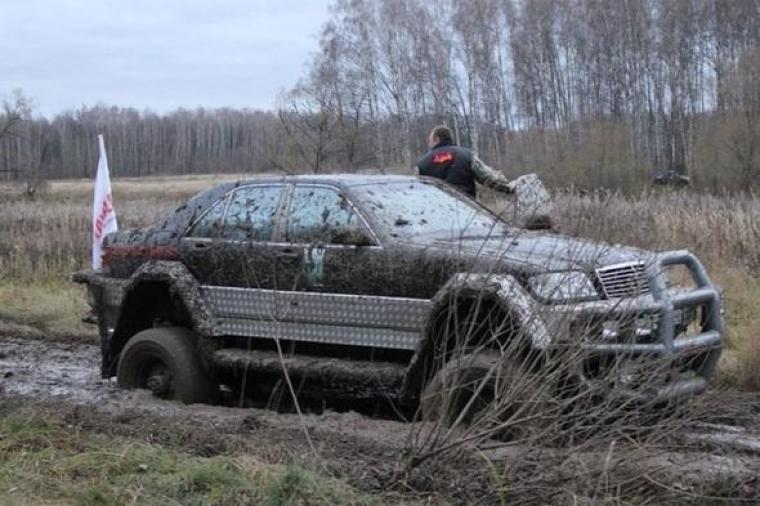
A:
x,y
443,157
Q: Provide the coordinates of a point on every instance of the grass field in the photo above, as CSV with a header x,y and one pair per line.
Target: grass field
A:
x,y
43,240
45,462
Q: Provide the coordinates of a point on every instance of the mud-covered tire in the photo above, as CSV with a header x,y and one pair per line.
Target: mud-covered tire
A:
x,y
447,394
450,389
165,361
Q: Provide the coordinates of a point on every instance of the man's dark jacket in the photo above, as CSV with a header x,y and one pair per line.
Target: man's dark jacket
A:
x,y
452,164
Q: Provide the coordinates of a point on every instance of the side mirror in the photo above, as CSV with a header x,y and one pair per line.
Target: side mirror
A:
x,y
538,222
352,237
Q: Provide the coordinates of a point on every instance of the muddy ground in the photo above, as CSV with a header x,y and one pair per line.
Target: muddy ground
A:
x,y
712,458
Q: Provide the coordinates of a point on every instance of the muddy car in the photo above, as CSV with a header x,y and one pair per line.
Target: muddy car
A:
x,y
361,286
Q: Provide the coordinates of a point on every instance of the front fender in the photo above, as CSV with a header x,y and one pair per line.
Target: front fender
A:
x,y
504,290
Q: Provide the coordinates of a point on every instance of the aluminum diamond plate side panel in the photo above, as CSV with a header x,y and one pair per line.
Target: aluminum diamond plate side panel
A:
x,y
319,308
326,334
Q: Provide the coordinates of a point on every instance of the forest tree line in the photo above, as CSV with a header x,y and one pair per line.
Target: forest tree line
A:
x,y
140,143
588,93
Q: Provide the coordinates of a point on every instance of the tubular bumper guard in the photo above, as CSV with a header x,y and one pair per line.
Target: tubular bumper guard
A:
x,y
665,302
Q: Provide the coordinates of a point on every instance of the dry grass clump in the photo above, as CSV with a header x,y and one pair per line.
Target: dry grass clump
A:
x,y
125,188
740,361
46,309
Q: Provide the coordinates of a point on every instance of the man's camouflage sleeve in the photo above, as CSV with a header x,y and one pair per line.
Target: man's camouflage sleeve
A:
x,y
490,177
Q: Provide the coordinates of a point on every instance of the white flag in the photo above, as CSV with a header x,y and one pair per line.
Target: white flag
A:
x,y
103,214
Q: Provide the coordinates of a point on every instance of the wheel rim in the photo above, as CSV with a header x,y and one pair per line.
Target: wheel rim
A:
x,y
156,376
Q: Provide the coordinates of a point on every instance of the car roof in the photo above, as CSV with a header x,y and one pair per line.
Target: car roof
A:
x,y
340,180
344,180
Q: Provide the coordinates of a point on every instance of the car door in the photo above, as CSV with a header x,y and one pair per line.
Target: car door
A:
x,y
231,245
346,296
340,252
200,246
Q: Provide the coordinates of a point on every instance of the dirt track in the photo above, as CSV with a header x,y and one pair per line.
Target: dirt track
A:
x,y
68,374
63,380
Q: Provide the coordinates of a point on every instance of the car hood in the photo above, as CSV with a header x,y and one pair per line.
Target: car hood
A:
x,y
542,251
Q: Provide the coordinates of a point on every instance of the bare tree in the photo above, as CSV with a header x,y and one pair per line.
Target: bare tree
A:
x,y
742,98
585,93
14,140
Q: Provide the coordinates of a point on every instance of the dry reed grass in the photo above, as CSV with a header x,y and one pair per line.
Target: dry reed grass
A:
x,y
127,187
723,230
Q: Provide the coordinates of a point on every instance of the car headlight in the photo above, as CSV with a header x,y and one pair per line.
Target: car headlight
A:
x,y
563,286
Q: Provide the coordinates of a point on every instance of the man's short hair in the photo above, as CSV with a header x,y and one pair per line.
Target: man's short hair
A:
x,y
443,133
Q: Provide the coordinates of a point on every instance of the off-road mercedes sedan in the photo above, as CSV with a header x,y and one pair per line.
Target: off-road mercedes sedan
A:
x,y
395,286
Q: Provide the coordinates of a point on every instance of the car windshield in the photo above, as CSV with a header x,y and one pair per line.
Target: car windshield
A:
x,y
418,209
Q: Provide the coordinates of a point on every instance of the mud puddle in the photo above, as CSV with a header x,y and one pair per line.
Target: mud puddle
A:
x,y
60,373
51,370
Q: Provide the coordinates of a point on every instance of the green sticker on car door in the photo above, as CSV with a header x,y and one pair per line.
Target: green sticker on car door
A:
x,y
314,265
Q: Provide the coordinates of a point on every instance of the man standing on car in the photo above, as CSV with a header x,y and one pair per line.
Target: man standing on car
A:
x,y
459,166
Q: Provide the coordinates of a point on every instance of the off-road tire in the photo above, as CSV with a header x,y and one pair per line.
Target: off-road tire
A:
x,y
448,392
452,386
174,350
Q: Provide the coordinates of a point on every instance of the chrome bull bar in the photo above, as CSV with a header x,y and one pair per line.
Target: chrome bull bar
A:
x,y
705,294
666,302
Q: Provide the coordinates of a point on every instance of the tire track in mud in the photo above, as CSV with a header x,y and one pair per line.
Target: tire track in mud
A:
x,y
69,373
63,373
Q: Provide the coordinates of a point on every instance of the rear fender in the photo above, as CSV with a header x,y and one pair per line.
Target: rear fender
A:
x,y
164,279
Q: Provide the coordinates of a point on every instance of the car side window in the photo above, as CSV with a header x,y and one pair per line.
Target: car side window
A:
x,y
322,214
251,213
211,222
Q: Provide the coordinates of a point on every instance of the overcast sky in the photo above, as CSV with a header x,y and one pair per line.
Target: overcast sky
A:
x,y
156,54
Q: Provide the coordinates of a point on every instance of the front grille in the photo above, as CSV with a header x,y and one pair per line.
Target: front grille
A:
x,y
624,280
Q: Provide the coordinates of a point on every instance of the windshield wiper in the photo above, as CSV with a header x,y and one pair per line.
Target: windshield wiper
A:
x,y
469,237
